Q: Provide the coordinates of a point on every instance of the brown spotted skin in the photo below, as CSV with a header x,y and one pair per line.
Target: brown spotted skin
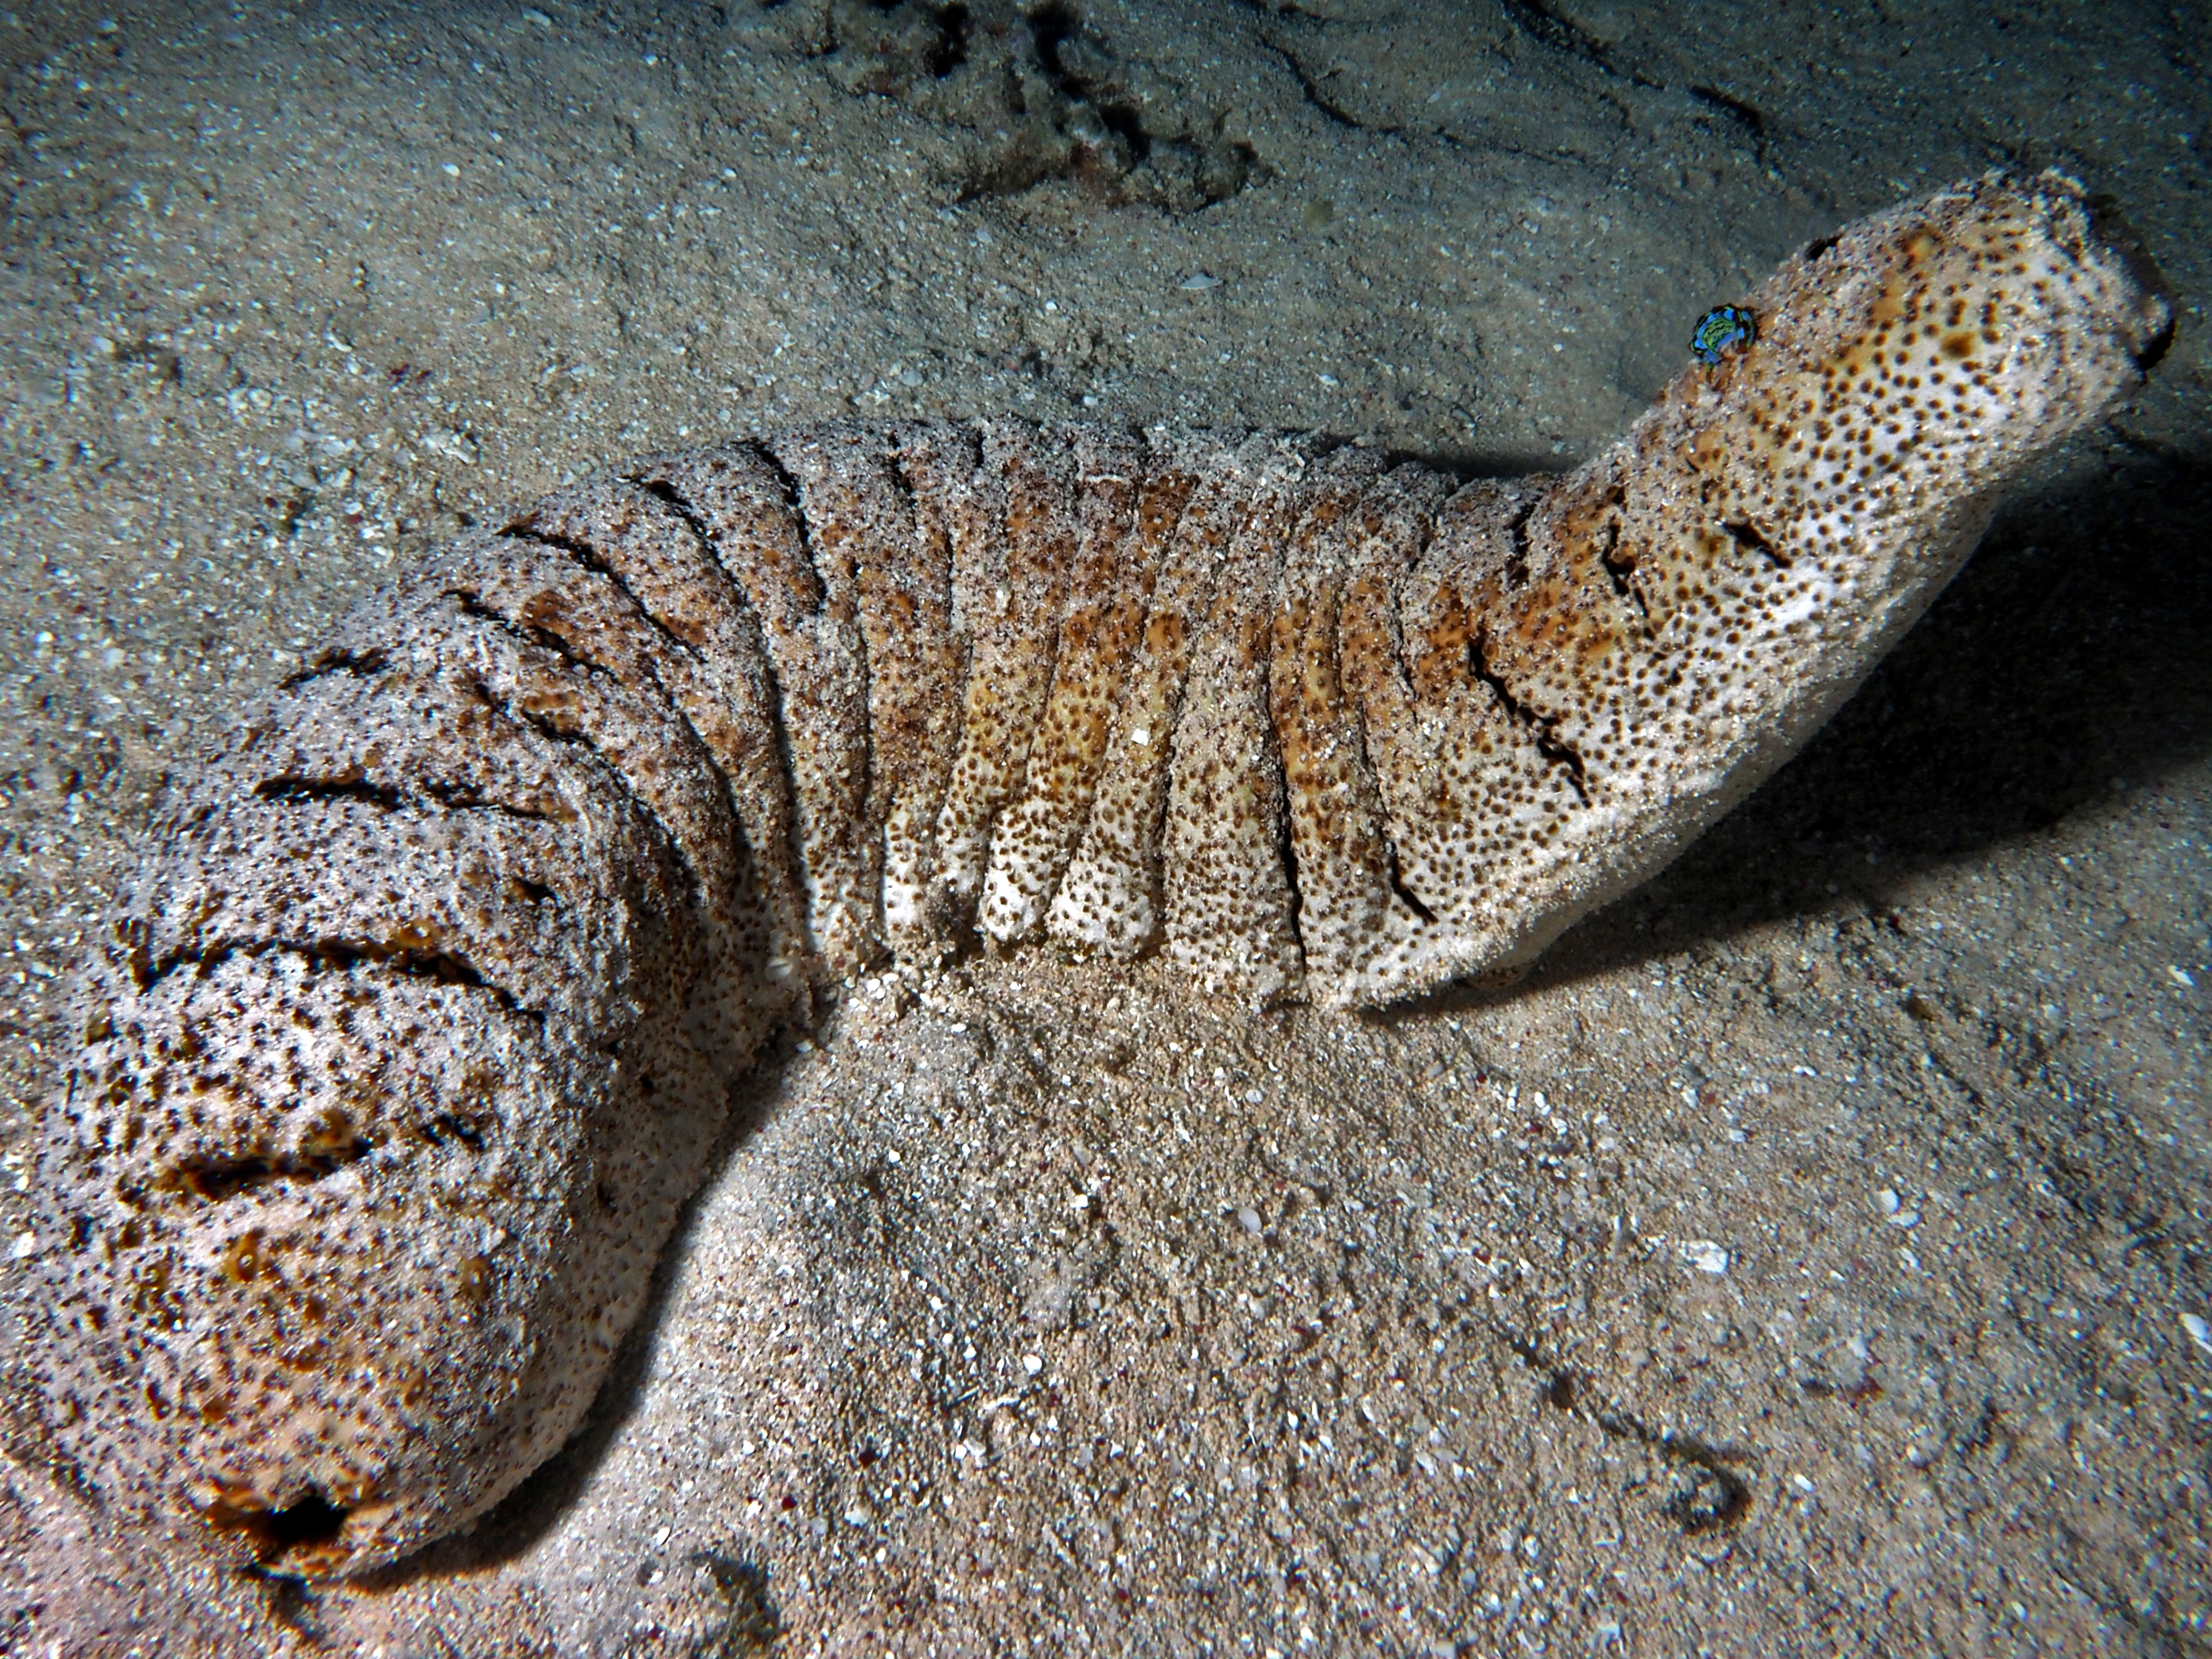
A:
x,y
421,1017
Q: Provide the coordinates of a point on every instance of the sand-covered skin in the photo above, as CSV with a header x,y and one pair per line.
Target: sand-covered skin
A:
x,y
2049,1484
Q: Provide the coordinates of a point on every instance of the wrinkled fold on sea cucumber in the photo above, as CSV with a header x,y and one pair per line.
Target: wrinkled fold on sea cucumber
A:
x,y
419,1021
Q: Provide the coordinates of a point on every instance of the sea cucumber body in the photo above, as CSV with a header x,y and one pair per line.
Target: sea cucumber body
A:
x,y
420,1016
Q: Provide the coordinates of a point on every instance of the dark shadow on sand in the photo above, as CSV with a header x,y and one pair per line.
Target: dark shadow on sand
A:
x,y
536,1507
2074,649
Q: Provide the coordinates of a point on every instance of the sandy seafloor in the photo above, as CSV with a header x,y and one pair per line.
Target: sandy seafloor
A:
x,y
1803,1260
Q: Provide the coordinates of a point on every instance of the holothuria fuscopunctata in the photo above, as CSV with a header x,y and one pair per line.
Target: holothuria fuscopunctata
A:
x,y
420,1018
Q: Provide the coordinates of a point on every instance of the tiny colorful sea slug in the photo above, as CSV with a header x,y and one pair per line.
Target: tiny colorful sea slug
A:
x,y
1722,330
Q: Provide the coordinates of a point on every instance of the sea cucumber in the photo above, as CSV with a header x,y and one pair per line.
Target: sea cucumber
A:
x,y
420,1016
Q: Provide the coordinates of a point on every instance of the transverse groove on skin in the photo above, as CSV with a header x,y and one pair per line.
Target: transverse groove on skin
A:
x,y
423,1012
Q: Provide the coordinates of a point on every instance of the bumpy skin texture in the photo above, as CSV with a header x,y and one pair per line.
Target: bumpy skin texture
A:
x,y
421,1017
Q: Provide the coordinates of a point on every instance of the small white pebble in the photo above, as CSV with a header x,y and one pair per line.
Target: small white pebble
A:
x,y
1199,281
2199,1333
27,1245
452,169
1704,1255
1887,1199
2181,976
1032,1362
1249,1220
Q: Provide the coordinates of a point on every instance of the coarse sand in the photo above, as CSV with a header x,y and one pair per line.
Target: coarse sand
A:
x,y
1811,1255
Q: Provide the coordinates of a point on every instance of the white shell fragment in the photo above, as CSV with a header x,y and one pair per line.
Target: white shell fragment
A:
x,y
1704,1255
